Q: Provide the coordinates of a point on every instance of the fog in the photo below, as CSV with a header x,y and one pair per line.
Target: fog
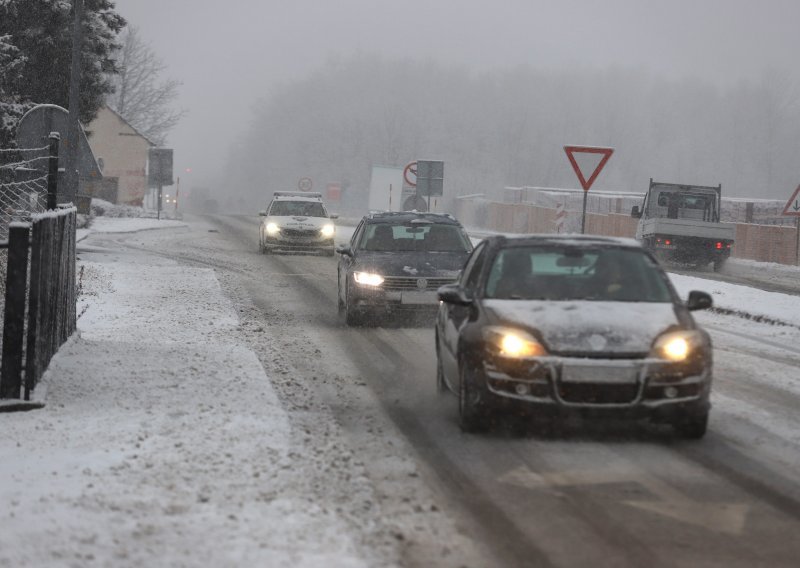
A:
x,y
634,71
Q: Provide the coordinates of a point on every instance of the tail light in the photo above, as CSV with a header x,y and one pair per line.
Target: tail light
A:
x,y
719,246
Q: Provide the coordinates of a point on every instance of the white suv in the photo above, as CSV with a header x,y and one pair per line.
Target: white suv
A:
x,y
296,221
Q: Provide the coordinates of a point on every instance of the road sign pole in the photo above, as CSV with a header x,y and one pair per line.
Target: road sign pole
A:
x,y
158,205
583,215
797,242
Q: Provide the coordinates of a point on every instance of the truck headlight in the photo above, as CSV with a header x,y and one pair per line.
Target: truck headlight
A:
x,y
368,278
272,229
513,343
327,231
677,345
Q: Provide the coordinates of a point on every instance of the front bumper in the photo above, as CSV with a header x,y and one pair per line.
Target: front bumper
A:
x,y
399,293
294,244
630,387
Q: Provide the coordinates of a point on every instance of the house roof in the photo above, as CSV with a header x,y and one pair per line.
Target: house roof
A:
x,y
129,125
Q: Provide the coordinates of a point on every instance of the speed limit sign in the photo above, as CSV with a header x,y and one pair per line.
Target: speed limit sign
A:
x,y
305,184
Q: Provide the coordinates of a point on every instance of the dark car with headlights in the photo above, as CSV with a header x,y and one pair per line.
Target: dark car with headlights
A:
x,y
395,262
551,325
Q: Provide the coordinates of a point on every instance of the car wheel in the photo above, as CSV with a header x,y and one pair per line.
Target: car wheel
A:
x,y
692,427
352,317
471,409
441,386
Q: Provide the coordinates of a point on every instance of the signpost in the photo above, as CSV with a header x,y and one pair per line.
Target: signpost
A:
x,y
587,183
792,209
430,179
410,174
159,172
305,184
561,216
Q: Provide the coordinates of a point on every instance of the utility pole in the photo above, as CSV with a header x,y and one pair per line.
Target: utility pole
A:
x,y
74,128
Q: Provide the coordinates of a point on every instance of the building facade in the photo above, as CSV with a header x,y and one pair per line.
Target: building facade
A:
x,y
121,151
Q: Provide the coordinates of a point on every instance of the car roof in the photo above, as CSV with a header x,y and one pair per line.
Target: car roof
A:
x,y
574,240
296,196
411,216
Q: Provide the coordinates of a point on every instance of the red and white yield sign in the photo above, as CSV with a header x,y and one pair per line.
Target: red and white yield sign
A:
x,y
605,154
792,208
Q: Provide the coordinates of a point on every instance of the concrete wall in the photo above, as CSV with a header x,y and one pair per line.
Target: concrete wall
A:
x,y
764,243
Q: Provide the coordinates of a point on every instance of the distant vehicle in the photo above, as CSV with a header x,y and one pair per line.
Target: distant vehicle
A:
x,y
549,325
296,222
681,223
395,262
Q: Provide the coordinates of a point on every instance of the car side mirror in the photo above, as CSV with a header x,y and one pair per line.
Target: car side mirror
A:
x,y
699,301
636,212
453,294
262,213
334,216
344,249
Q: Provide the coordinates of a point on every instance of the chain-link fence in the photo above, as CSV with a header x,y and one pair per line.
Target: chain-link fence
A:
x,y
23,192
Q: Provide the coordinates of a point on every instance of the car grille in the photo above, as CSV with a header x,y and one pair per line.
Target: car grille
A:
x,y
420,283
300,233
598,394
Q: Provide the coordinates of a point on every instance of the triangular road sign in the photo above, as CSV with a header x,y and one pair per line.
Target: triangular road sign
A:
x,y
792,208
572,150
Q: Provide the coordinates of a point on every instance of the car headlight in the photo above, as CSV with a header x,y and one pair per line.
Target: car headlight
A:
x,y
272,229
514,343
677,345
327,231
368,278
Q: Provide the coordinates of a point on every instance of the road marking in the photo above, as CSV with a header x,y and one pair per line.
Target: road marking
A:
x,y
728,518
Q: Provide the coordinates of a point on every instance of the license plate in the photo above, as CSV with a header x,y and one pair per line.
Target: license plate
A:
x,y
419,298
598,374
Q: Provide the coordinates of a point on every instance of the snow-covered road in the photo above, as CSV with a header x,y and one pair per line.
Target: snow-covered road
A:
x,y
215,411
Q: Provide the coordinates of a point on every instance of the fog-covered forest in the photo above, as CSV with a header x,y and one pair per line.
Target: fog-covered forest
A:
x,y
508,127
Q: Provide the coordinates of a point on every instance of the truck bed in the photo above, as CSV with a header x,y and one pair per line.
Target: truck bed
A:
x,y
688,228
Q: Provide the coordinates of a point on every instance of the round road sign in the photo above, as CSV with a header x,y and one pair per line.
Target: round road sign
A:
x,y
410,174
305,184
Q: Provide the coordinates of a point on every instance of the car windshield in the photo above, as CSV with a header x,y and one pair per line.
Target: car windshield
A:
x,y
297,208
415,237
572,273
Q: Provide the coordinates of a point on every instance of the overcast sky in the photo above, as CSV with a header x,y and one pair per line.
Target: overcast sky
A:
x,y
230,53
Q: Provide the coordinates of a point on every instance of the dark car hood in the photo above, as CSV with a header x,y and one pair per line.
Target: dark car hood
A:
x,y
588,326
412,263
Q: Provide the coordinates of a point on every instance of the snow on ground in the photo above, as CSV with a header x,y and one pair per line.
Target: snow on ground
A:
x,y
131,225
162,440
745,299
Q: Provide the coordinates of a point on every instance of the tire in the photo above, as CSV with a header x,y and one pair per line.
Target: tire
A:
x,y
692,427
472,411
719,264
352,317
441,386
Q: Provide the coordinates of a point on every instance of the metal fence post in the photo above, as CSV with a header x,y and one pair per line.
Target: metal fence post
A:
x,y
14,324
52,171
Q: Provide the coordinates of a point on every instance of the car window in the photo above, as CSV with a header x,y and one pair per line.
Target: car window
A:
x,y
571,273
472,270
415,237
297,208
357,234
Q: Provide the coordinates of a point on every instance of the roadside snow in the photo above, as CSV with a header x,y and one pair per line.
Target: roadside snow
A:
x,y
162,442
131,225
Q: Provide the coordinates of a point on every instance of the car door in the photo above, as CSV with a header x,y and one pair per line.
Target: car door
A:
x,y
453,317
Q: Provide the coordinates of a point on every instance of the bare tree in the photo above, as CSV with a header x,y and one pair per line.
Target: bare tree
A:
x,y
141,96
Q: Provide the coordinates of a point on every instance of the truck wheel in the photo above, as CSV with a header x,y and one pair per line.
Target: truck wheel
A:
x,y
719,264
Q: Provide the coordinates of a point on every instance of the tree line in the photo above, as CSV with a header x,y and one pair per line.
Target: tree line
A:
x,y
507,127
